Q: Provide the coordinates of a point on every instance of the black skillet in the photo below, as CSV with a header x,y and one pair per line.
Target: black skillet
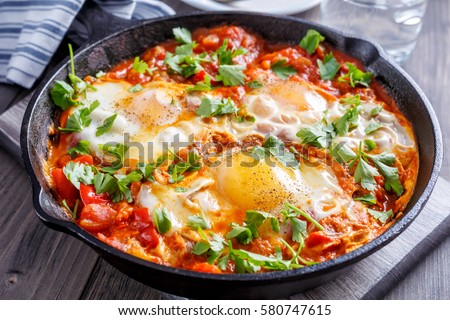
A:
x,y
115,40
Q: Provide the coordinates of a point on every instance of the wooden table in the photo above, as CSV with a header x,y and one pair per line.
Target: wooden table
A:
x,y
39,263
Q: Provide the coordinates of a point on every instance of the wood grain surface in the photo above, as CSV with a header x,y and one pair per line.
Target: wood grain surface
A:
x,y
38,263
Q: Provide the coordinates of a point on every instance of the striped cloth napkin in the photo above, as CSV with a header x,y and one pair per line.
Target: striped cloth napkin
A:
x,y
31,31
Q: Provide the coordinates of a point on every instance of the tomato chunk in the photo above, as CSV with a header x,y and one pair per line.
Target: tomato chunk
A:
x,y
97,217
64,188
148,237
85,159
89,196
316,239
142,216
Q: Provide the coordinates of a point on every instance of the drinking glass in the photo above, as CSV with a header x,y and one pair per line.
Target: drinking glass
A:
x,y
394,24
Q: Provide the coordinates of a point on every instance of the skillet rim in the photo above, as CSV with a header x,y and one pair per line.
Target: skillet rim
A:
x,y
323,267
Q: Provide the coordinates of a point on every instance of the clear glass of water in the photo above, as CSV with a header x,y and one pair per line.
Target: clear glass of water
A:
x,y
394,24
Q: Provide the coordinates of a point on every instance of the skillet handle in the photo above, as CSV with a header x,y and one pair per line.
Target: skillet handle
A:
x,y
100,23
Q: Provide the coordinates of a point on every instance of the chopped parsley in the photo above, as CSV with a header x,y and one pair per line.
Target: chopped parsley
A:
x,y
255,84
380,215
273,146
199,221
282,69
249,230
375,111
225,56
354,76
140,66
201,86
372,126
82,147
78,173
65,95
318,135
311,41
365,172
291,213
352,100
74,212
106,126
329,67
211,107
347,122
176,170
369,144
231,75
182,35
135,88
162,220
117,151
80,119
367,198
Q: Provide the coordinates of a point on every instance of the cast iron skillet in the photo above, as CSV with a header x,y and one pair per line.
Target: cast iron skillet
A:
x,y
115,41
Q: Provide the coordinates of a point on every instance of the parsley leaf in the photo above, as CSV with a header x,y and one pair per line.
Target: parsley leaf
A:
x,y
210,107
231,75
329,67
106,126
63,95
82,147
311,41
118,152
275,147
390,174
184,61
225,56
376,111
140,66
369,144
104,182
123,191
255,84
199,221
182,35
201,86
73,212
162,220
342,153
380,215
80,119
213,247
135,88
364,174
249,231
355,76
347,122
282,69
318,135
78,173
372,126
291,212
367,198
176,170
79,86
181,189
352,100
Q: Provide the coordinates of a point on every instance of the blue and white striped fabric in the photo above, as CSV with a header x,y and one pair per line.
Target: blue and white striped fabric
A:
x,y
31,31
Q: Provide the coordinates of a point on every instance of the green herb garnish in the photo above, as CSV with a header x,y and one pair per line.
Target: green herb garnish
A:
x,y
311,41
329,67
282,69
